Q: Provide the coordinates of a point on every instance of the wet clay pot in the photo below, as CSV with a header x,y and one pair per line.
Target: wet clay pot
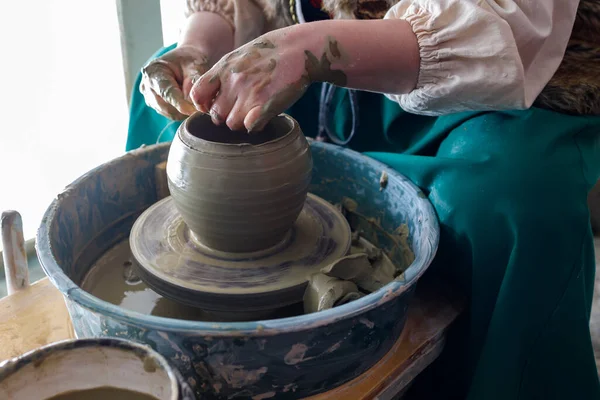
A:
x,y
239,192
91,364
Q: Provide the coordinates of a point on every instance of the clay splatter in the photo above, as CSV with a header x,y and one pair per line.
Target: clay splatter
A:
x,y
383,181
316,70
263,396
367,323
296,354
150,364
235,375
263,44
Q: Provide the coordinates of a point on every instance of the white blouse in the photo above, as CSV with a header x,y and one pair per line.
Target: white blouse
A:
x,y
479,55
476,55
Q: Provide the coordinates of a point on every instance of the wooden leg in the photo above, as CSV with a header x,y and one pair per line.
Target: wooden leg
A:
x,y
14,255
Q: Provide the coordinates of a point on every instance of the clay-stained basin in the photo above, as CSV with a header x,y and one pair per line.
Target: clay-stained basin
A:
x,y
288,358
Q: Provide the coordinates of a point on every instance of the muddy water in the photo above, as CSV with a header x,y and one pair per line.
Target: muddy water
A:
x,y
112,278
103,393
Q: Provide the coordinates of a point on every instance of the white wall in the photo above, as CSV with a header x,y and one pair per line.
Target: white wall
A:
x,y
63,107
173,15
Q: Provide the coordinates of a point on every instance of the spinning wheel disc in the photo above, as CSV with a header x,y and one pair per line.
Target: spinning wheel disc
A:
x,y
178,266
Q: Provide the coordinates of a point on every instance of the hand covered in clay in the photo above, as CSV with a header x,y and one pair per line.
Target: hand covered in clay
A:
x,y
260,80
167,80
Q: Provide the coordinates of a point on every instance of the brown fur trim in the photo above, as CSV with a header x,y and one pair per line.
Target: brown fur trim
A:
x,y
358,9
340,9
277,12
575,87
587,22
373,9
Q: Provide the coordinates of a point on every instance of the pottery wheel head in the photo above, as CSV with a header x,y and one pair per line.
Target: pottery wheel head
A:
x,y
176,265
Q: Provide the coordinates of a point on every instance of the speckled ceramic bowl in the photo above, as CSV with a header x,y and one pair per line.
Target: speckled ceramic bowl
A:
x,y
84,364
287,358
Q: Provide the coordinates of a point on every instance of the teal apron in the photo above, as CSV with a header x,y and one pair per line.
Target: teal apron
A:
x,y
510,191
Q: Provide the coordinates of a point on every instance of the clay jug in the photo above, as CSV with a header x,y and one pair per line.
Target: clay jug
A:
x,y
239,192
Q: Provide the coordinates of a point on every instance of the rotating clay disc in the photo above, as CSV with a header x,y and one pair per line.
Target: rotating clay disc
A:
x,y
175,264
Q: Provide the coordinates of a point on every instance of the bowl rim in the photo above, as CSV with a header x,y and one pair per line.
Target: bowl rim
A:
x,y
14,364
251,328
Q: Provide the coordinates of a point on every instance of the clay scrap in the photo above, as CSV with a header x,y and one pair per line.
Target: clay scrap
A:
x,y
357,268
365,270
325,292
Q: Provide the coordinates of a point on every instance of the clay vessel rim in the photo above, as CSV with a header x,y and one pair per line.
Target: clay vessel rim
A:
x,y
142,351
234,150
275,327
200,144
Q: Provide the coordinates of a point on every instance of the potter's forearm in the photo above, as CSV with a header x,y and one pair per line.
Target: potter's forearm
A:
x,y
209,32
379,56
263,78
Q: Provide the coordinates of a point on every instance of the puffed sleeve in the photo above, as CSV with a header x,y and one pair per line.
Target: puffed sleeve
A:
x,y
249,18
479,55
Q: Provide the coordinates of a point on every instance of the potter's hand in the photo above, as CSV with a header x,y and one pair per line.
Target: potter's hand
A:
x,y
167,80
255,83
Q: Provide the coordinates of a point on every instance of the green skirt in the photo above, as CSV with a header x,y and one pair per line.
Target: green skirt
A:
x,y
510,191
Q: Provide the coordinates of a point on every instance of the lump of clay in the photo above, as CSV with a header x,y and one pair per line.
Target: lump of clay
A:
x,y
324,292
357,268
361,245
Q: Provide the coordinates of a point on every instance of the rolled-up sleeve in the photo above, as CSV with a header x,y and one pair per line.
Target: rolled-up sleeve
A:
x,y
479,55
249,18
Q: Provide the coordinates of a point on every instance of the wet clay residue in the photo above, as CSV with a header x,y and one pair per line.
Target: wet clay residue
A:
x,y
383,181
368,275
324,292
319,69
150,364
316,69
263,44
257,59
258,65
370,229
160,76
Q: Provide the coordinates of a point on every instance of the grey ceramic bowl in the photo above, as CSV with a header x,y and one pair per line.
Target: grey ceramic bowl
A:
x,y
83,364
